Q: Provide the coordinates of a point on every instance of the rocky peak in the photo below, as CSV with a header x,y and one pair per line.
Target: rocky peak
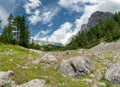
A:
x,y
94,19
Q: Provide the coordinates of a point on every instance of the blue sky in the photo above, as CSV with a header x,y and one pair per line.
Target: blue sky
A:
x,y
55,20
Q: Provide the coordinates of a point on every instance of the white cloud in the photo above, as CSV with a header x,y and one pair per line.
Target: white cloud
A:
x,y
41,34
31,5
71,5
62,34
47,16
44,17
35,18
3,15
50,25
76,5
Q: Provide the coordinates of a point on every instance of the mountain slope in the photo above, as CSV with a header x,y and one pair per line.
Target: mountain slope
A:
x,y
96,18
105,31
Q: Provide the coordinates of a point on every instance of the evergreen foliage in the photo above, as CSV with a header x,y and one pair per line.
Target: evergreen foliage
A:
x,y
16,31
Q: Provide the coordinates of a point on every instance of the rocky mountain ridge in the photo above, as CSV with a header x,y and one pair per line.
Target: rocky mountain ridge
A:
x,y
94,19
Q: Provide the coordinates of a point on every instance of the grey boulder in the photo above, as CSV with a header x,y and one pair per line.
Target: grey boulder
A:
x,y
49,57
5,77
33,83
76,67
113,74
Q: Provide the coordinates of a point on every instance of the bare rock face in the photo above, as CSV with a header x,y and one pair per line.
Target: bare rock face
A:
x,y
95,18
5,77
33,83
113,74
76,67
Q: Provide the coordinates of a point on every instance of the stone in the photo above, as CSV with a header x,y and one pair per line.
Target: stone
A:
x,y
76,67
49,57
91,75
5,77
36,62
25,67
87,80
101,84
69,52
107,63
99,76
33,83
113,74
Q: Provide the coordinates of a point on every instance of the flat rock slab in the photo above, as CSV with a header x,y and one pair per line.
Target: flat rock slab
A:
x,y
33,83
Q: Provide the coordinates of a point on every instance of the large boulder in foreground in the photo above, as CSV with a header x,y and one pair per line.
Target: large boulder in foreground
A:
x,y
5,77
113,74
34,83
76,67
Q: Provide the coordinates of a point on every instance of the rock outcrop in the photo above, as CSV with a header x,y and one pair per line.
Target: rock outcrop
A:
x,y
95,18
113,74
5,77
76,67
103,47
49,57
33,83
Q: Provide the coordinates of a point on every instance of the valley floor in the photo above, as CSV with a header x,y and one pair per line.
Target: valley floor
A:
x,y
27,65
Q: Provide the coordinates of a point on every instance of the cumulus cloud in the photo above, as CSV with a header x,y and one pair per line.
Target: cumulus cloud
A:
x,y
31,5
71,5
36,14
62,34
44,17
3,15
41,33
47,16
76,5
35,18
